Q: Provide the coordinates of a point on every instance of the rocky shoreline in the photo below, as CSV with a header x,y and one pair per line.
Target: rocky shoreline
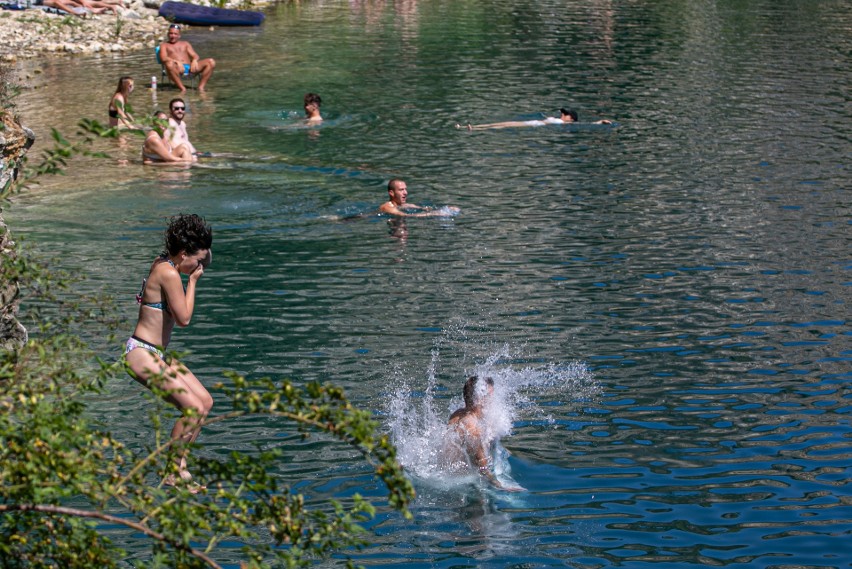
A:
x,y
26,34
32,33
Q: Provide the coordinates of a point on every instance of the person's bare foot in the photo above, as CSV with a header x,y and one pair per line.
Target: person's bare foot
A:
x,y
185,481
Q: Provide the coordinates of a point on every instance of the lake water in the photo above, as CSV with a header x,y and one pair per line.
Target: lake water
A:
x,y
663,302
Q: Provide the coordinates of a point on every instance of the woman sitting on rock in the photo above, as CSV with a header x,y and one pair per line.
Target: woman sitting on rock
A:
x,y
157,150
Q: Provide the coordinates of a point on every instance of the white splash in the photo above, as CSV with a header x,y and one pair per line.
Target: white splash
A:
x,y
417,418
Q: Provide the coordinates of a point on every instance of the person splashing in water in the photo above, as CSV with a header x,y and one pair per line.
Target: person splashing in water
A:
x,y
470,443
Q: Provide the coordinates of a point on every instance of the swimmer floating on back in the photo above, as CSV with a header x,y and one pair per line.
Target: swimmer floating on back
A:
x,y
566,116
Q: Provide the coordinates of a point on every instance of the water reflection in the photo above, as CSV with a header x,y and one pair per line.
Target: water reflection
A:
x,y
398,228
695,258
471,519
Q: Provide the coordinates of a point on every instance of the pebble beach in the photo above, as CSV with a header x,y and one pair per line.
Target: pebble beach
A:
x,y
31,33
26,34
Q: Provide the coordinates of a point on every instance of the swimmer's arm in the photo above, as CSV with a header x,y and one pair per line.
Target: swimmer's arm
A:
x,y
427,211
508,124
472,437
391,209
181,304
483,464
421,211
484,468
478,451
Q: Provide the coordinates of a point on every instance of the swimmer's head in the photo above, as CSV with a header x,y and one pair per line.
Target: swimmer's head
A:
x,y
569,115
188,233
476,389
312,106
312,99
397,191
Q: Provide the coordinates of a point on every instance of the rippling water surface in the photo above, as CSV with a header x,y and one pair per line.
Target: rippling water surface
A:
x,y
682,277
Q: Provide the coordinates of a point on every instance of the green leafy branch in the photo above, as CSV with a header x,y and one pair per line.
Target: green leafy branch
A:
x,y
53,453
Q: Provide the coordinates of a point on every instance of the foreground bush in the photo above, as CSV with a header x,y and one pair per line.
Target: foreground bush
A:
x,y
66,481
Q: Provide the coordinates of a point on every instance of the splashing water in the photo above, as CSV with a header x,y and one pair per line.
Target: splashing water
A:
x,y
417,419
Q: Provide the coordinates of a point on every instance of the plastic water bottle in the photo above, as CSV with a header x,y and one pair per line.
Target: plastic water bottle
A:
x,y
153,82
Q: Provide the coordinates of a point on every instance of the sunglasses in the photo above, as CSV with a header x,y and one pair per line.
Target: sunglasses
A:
x,y
178,108
174,27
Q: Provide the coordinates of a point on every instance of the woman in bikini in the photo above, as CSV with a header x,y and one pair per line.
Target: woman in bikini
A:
x,y
119,111
164,303
157,150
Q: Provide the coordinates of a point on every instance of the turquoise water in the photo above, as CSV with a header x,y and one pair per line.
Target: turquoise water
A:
x,y
665,301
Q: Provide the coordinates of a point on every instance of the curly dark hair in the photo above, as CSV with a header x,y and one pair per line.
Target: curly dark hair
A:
x,y
313,98
188,233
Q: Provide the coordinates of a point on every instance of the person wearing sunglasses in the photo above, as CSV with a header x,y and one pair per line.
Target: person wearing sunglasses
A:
x,y
180,59
177,135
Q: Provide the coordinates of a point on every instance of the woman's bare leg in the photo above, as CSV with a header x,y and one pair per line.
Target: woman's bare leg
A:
x,y
185,392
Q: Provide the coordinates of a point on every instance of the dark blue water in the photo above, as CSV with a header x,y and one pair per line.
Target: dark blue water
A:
x,y
666,299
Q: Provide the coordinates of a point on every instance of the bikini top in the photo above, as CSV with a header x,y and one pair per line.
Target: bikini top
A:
x,y
162,305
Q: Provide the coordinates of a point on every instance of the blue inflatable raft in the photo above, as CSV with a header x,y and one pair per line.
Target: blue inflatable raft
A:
x,y
184,13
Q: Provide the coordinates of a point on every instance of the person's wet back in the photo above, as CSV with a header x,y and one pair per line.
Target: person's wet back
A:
x,y
469,445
